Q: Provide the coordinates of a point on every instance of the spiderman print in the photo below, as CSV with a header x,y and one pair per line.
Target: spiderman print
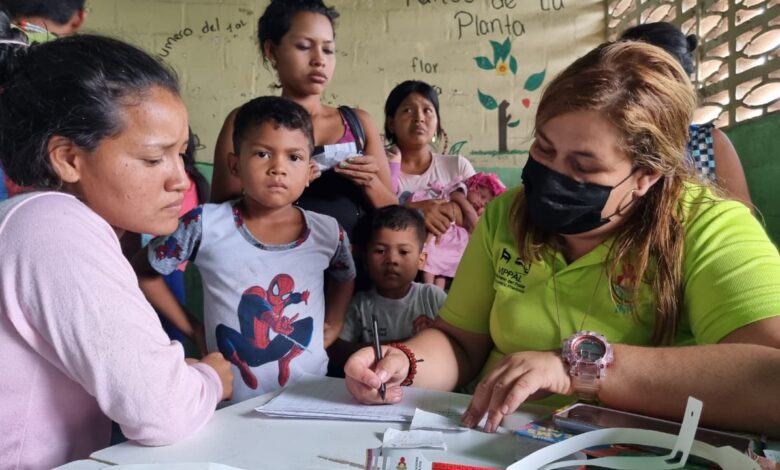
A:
x,y
261,312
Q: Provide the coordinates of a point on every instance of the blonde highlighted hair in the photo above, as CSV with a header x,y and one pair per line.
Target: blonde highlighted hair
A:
x,y
644,92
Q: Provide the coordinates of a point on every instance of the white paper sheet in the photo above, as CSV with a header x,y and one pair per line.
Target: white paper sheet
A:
x,y
328,398
333,154
431,421
396,439
451,422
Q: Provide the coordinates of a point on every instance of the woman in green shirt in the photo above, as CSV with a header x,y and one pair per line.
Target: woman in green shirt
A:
x,y
611,275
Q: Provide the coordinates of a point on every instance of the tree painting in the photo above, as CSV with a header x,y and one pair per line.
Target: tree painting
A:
x,y
504,62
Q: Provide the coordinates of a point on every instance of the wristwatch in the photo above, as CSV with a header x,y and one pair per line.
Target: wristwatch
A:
x,y
588,354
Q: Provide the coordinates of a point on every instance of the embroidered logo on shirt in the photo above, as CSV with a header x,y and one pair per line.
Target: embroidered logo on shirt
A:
x,y
511,274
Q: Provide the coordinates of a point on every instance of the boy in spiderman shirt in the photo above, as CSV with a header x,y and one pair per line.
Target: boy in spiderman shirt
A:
x,y
262,259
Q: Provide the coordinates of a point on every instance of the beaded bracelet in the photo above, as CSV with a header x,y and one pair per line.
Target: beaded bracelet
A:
x,y
412,362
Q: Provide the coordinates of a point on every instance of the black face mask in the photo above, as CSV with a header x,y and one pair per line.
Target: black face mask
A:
x,y
561,205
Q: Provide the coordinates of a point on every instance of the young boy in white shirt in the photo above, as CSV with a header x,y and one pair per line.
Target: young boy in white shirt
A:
x,y
263,260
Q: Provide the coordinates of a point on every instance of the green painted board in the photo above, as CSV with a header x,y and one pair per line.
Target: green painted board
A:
x,y
758,144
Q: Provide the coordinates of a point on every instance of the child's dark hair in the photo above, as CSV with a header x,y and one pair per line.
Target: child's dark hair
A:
x,y
669,38
59,11
400,92
397,217
278,16
74,87
278,110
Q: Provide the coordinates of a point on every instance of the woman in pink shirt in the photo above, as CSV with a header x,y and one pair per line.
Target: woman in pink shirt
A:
x,y
97,126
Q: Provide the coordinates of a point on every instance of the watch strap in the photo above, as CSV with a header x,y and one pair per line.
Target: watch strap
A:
x,y
586,389
586,381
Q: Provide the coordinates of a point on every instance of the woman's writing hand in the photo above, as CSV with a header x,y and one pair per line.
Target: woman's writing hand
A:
x,y
363,379
515,378
361,169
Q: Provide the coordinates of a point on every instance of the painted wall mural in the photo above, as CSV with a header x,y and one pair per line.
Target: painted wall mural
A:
x,y
488,59
504,62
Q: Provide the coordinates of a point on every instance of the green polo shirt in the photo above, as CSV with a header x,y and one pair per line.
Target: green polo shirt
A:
x,y
731,269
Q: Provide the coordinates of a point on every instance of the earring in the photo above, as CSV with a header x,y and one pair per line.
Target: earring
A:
x,y
434,139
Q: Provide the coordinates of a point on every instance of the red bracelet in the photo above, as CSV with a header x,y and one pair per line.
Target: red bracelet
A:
x,y
412,362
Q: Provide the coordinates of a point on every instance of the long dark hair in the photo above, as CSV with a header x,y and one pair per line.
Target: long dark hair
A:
x,y
278,16
201,183
73,87
399,94
669,38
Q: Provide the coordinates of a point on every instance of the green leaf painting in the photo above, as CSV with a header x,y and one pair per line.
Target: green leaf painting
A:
x,y
513,65
501,50
496,51
456,147
535,81
487,101
506,47
514,123
484,63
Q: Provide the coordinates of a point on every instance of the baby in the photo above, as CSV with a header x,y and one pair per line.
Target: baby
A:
x,y
444,254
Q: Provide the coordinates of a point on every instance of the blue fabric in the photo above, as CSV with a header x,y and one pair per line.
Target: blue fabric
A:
x,y
175,281
3,190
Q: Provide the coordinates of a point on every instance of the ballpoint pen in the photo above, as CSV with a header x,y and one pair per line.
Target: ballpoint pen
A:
x,y
377,351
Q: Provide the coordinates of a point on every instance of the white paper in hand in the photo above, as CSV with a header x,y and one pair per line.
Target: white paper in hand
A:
x,y
332,155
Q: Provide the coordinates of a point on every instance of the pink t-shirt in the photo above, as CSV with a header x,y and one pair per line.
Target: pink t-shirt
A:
x,y
444,169
79,343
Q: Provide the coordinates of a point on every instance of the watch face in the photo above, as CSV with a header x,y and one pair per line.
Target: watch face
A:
x,y
589,349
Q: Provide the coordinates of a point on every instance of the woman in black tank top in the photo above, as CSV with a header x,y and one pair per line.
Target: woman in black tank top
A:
x,y
297,40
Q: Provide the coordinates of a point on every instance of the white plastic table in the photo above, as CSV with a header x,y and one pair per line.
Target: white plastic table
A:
x,y
83,465
239,436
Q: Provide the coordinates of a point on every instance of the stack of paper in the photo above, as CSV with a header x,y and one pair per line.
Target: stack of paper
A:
x,y
328,398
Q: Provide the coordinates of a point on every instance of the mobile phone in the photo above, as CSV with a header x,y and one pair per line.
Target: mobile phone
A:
x,y
582,417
